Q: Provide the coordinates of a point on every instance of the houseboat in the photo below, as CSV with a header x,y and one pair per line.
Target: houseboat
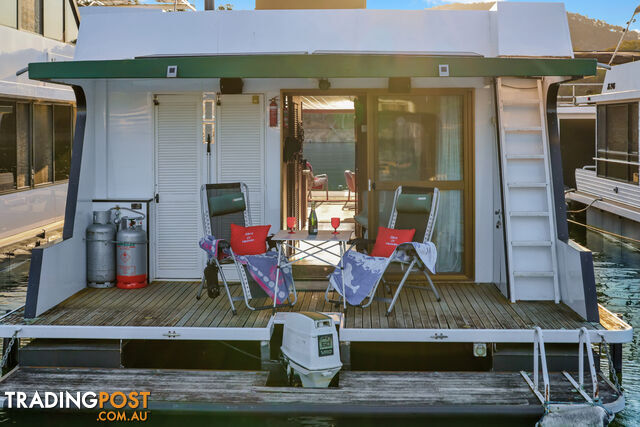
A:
x,y
36,118
609,184
462,101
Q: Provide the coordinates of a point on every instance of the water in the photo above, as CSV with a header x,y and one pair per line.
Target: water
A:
x,y
331,158
617,270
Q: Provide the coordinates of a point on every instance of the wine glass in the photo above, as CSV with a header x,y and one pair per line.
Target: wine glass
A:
x,y
335,223
291,223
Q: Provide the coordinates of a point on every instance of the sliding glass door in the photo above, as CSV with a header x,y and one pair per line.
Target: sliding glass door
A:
x,y
424,140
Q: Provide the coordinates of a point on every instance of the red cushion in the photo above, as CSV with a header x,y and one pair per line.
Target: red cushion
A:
x,y
389,238
249,240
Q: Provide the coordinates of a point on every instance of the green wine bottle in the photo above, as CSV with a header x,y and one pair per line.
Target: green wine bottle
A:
x,y
313,221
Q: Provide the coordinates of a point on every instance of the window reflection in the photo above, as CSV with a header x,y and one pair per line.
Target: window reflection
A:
x,y
420,138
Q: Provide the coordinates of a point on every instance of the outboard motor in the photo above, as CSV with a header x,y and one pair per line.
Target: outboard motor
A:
x,y
310,348
101,251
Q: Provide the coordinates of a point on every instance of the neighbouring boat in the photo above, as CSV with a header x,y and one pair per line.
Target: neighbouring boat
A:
x,y
36,118
610,186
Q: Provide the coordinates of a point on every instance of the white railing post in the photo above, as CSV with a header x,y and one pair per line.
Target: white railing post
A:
x,y
584,342
539,361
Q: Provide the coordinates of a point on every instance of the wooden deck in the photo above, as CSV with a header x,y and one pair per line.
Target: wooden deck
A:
x,y
464,306
358,392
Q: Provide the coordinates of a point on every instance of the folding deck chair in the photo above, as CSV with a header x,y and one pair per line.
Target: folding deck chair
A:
x,y
412,208
223,205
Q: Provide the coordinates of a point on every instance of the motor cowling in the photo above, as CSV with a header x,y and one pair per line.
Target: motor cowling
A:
x,y
131,255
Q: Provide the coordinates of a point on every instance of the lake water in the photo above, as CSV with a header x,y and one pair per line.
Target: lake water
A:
x,y
617,269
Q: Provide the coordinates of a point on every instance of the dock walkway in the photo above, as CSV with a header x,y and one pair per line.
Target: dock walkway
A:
x,y
445,393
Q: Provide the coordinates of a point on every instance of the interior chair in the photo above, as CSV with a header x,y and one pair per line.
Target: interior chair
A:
x,y
317,182
221,206
350,179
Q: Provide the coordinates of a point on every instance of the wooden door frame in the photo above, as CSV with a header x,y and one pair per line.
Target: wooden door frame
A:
x,y
468,182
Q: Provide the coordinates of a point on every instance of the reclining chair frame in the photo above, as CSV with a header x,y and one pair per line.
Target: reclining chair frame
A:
x,y
244,281
415,261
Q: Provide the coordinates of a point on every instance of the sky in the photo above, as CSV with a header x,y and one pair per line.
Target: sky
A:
x,y
616,12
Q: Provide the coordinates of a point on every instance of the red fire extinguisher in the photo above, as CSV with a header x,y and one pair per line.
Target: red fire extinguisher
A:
x,y
273,113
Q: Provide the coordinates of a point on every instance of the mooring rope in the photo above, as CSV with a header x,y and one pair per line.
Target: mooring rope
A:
x,y
600,230
599,199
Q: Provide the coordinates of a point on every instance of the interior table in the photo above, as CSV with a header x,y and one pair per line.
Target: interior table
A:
x,y
319,243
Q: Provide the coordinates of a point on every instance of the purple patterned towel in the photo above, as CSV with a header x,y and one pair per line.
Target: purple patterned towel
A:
x,y
362,271
262,268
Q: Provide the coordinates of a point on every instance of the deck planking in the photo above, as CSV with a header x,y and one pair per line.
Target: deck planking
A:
x,y
173,304
358,392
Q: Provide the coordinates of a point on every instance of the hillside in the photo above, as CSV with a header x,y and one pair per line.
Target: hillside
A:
x,y
587,34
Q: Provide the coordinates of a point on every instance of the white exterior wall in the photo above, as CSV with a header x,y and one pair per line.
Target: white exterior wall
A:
x,y
17,50
511,29
25,210
123,141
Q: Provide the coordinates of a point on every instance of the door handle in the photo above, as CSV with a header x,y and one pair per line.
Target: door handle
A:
x,y
157,198
371,185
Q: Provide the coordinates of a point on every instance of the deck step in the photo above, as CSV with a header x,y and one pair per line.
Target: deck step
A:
x,y
529,213
521,102
525,156
531,243
533,273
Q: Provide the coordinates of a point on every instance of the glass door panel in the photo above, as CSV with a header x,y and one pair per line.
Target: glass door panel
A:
x,y
420,142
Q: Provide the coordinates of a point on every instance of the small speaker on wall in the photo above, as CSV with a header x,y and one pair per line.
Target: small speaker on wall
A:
x,y
231,85
399,84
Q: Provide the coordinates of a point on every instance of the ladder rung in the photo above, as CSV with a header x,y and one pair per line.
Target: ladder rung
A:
x,y
529,213
523,129
534,274
531,243
527,184
523,101
525,156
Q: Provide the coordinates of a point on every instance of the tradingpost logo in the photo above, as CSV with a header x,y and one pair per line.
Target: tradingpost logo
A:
x,y
112,406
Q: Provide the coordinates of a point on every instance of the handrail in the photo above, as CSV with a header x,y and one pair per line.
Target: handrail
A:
x,y
624,162
571,99
539,361
584,342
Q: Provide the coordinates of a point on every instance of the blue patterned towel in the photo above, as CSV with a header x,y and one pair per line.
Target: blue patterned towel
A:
x,y
362,272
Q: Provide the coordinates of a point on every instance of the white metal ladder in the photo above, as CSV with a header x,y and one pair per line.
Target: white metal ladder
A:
x,y
526,179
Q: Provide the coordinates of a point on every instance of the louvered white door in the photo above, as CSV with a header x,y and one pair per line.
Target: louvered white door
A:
x,y
240,147
526,177
178,179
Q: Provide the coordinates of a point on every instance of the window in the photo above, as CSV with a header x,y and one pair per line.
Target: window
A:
x,y
617,141
62,122
30,15
42,144
54,19
23,145
9,13
70,26
35,144
7,145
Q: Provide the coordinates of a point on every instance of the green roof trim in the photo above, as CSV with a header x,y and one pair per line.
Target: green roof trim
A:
x,y
310,66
